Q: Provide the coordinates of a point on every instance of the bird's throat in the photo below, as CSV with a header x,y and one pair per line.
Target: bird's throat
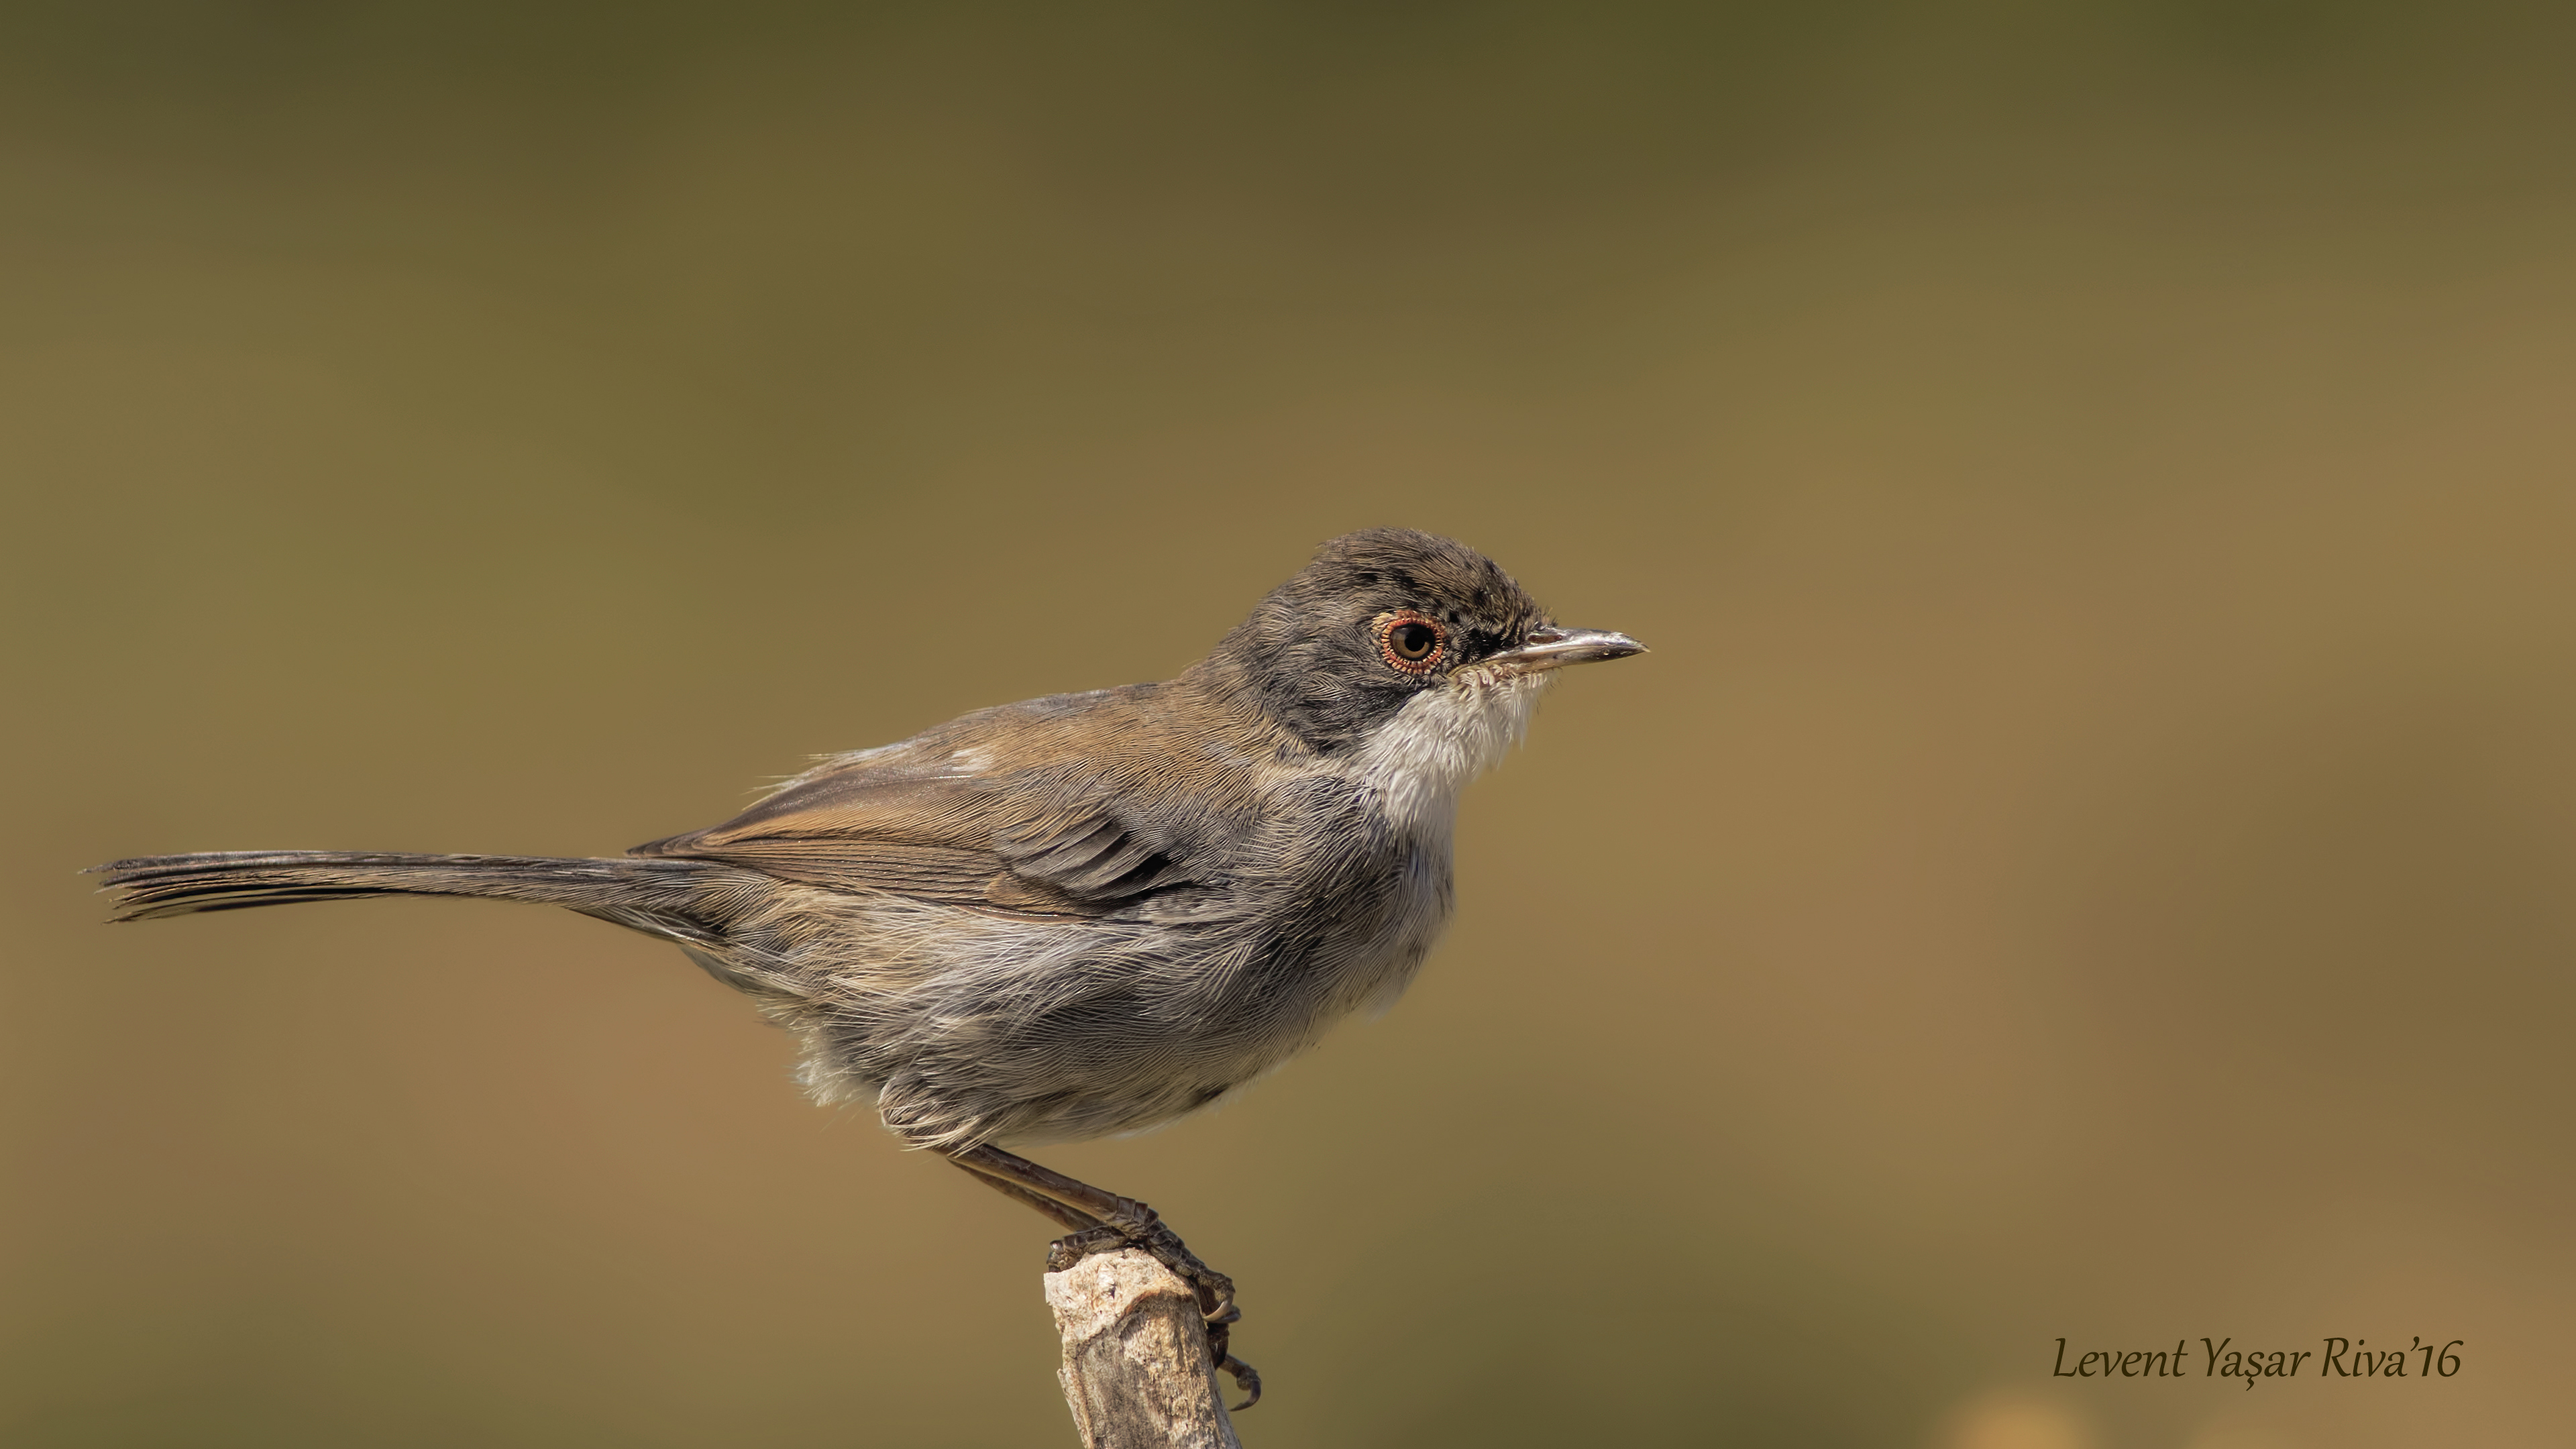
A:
x,y
1418,760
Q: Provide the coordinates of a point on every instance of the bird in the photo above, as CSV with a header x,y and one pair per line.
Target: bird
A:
x,y
1078,916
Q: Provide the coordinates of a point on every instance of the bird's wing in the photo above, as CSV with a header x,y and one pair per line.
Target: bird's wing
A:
x,y
949,826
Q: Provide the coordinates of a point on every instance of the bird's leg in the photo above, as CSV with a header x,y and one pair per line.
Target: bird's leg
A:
x,y
1102,1221
1133,1221
1074,1219
1089,1235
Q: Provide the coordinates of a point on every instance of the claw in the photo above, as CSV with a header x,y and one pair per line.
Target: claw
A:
x,y
1245,1379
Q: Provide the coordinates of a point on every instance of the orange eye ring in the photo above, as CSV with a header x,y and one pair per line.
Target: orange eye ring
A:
x,y
1411,643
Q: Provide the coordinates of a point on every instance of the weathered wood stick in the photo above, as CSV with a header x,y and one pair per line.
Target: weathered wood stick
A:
x,y
1136,1368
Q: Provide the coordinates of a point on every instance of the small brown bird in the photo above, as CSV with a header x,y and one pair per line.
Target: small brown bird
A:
x,y
1080,915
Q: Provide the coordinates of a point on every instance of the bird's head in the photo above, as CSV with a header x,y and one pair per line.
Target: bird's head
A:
x,y
1416,651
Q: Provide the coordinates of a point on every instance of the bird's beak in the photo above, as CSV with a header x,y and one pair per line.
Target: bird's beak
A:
x,y
1549,647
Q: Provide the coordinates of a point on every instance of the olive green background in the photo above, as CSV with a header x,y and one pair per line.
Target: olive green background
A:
x,y
2088,856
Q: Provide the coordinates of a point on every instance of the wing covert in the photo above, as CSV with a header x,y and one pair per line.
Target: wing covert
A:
x,y
1028,842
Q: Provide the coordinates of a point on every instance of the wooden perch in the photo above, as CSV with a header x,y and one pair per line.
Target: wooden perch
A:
x,y
1136,1368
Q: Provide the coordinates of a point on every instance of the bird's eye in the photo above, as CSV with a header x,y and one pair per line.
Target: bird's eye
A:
x,y
1409,642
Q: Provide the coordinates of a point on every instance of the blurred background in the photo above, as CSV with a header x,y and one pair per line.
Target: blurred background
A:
x,y
2088,856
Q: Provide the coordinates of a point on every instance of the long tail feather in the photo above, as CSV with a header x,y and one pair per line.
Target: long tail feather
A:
x,y
176,885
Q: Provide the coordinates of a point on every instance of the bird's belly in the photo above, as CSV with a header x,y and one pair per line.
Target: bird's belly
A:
x,y
1012,1031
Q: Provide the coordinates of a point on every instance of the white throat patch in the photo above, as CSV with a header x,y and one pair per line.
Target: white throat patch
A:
x,y
1441,739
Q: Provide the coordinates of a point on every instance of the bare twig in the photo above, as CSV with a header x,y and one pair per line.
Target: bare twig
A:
x,y
1136,1368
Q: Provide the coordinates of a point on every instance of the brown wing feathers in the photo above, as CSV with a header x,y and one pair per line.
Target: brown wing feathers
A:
x,y
1006,839
1092,857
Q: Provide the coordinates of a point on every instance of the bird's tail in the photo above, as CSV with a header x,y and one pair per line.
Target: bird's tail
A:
x,y
629,891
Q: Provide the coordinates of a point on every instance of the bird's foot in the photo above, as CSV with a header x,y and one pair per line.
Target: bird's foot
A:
x,y
1245,1376
1072,1248
1137,1226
